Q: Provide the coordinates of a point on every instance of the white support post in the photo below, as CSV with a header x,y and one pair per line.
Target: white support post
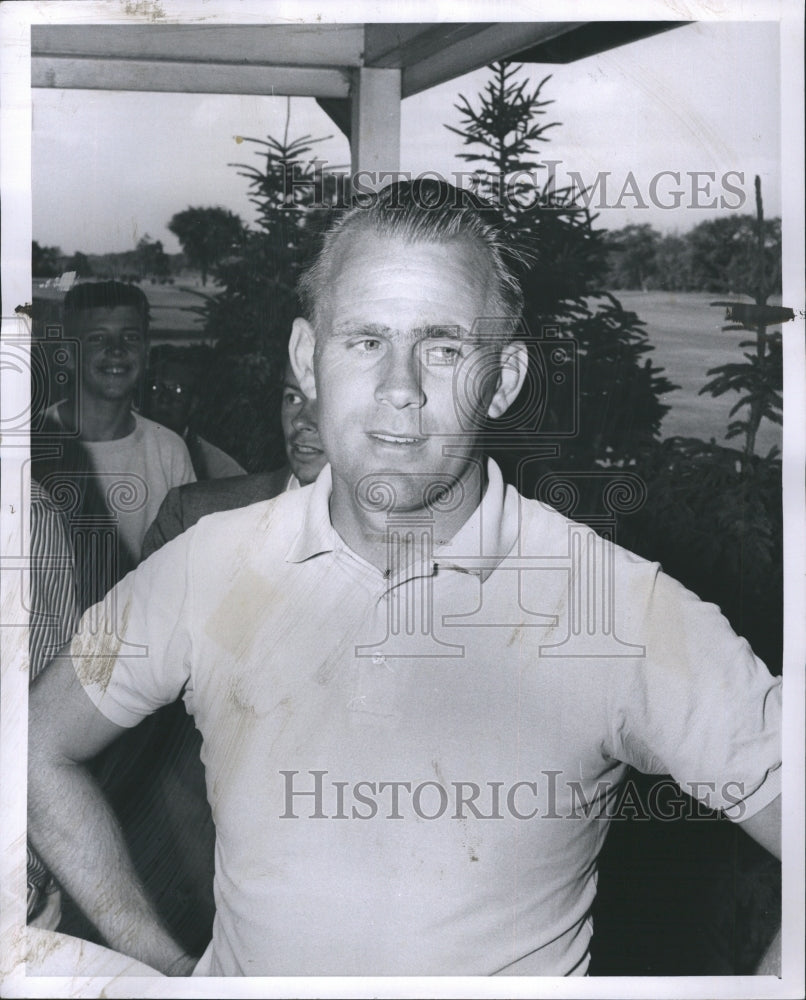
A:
x,y
375,125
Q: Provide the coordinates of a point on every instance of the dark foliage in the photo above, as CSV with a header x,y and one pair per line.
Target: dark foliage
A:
x,y
80,264
207,235
759,378
249,319
46,262
713,519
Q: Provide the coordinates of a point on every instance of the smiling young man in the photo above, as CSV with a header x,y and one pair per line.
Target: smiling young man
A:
x,y
113,455
415,729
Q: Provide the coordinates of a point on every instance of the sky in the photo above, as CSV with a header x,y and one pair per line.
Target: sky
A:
x,y
111,167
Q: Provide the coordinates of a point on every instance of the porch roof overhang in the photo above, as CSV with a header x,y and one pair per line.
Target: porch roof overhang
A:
x,y
358,73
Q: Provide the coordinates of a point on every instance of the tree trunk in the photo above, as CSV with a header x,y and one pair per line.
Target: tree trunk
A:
x,y
761,330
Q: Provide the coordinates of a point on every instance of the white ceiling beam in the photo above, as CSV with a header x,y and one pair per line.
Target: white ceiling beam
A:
x,y
256,44
405,44
187,78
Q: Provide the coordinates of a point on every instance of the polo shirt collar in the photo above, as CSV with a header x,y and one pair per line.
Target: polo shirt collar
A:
x,y
478,546
316,534
488,535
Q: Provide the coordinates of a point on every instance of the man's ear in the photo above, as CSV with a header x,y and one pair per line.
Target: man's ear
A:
x,y
300,351
514,362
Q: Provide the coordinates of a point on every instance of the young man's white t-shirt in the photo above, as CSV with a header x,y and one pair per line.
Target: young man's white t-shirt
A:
x,y
135,473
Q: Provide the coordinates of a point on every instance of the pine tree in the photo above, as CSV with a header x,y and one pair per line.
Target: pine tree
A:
x,y
760,376
614,405
504,130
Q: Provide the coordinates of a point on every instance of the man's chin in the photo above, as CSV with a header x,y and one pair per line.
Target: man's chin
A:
x,y
116,395
111,388
306,472
397,491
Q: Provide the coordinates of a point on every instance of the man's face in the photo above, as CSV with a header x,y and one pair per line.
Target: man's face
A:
x,y
169,397
302,444
113,346
401,368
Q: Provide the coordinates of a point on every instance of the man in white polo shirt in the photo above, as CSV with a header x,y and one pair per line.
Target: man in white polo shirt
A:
x,y
418,692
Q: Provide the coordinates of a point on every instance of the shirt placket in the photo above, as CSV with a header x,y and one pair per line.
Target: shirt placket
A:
x,y
399,628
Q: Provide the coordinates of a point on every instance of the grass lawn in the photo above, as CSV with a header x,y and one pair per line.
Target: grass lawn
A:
x,y
687,335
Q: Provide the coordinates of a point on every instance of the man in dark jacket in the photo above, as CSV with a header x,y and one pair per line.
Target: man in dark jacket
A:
x,y
183,507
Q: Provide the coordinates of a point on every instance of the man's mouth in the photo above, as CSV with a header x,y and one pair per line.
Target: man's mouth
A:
x,y
114,369
401,440
306,449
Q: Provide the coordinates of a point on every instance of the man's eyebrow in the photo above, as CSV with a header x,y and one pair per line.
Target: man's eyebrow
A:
x,y
431,331
439,331
348,329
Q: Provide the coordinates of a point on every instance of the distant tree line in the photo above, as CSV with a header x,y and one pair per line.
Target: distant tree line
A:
x,y
718,256
148,261
207,236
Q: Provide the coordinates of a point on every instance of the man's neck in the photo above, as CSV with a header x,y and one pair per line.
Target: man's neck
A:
x,y
101,419
416,532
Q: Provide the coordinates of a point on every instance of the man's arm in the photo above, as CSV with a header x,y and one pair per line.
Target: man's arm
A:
x,y
75,830
765,827
168,523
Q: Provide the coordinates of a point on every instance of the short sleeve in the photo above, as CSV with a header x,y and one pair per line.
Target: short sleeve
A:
x,y
699,705
166,525
132,651
183,467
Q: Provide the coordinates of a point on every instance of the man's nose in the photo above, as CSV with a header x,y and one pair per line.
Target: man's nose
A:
x,y
116,345
401,383
305,417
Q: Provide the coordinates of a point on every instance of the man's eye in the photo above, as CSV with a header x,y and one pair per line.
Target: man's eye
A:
x,y
368,344
292,399
133,338
442,354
